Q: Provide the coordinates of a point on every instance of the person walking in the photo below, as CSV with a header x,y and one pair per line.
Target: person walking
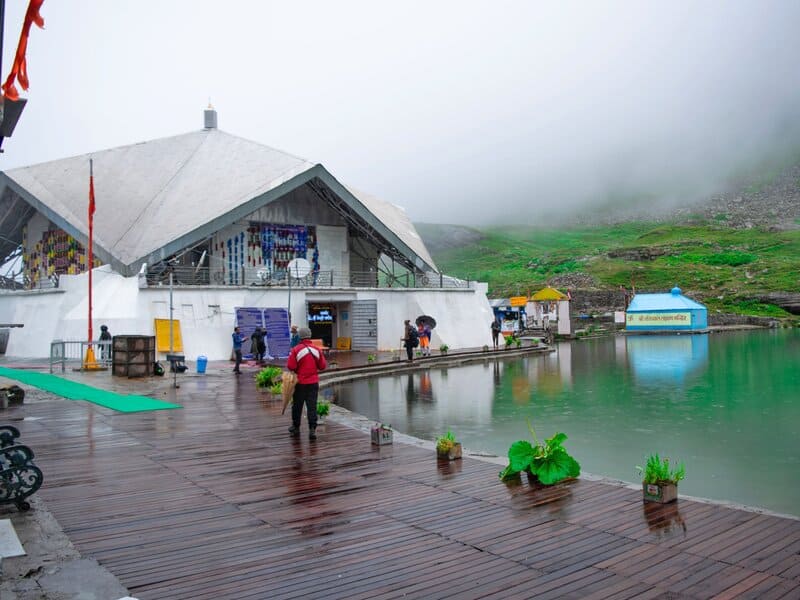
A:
x,y
105,345
259,345
295,338
495,332
306,361
424,332
410,339
238,340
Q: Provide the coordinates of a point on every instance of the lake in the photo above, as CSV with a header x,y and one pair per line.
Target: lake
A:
x,y
725,404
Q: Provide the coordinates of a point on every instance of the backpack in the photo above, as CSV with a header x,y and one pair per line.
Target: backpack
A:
x,y
413,337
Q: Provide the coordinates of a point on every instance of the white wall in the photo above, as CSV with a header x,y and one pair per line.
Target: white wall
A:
x,y
463,316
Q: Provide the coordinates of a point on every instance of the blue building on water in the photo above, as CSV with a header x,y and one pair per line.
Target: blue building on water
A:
x,y
665,312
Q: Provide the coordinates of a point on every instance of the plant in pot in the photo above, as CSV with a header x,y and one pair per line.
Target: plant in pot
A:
x,y
485,348
444,348
518,342
660,479
323,410
267,377
447,447
509,341
371,358
548,463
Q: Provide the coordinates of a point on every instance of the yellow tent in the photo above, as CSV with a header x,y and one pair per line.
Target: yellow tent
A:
x,y
548,293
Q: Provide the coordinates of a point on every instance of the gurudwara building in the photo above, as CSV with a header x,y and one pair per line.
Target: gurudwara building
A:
x,y
203,228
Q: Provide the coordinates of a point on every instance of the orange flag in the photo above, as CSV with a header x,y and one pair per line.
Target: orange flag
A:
x,y
19,69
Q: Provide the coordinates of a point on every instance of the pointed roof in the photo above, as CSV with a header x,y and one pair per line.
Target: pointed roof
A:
x,y
548,293
157,197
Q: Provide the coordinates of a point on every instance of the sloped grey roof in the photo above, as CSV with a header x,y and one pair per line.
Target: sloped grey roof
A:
x,y
161,195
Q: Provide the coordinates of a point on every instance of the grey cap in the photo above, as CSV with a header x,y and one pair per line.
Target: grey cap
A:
x,y
304,333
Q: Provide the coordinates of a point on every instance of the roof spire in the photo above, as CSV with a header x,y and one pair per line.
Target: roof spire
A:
x,y
210,117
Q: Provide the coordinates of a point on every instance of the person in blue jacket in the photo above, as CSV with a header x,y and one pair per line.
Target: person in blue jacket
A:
x,y
238,340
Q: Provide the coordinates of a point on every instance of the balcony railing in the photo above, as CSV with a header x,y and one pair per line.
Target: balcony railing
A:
x,y
250,276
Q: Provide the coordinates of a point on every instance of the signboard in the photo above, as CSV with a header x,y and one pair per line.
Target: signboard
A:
x,y
658,319
276,322
321,313
518,300
247,319
162,335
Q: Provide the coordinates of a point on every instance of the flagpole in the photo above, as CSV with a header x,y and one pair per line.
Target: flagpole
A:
x,y
90,363
91,231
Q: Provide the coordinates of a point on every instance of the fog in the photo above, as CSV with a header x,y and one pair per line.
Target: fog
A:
x,y
460,112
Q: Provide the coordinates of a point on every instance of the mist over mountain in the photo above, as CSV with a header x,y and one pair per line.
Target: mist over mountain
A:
x,y
764,195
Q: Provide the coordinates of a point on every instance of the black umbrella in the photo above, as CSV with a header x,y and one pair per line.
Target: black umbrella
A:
x,y
426,320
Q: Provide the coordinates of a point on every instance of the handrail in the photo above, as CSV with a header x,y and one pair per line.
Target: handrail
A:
x,y
254,276
63,352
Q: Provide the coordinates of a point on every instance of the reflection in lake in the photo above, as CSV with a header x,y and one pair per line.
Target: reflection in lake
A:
x,y
666,357
728,405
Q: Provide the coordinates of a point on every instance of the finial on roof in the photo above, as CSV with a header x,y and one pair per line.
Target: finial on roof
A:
x,y
676,291
210,117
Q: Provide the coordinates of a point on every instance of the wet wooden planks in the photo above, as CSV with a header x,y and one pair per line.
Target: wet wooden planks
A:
x,y
217,501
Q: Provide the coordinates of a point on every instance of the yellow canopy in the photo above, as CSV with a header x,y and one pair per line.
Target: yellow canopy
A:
x,y
548,293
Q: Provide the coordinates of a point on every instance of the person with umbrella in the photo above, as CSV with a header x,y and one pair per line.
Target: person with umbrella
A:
x,y
424,326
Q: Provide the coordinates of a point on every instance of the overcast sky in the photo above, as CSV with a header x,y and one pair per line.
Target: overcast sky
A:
x,y
460,112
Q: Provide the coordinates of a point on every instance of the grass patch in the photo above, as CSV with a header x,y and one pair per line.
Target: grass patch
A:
x,y
707,260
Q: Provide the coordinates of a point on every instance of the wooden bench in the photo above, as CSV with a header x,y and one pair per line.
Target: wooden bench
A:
x,y
317,343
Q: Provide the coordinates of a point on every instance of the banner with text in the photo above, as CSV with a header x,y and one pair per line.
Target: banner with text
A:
x,y
656,319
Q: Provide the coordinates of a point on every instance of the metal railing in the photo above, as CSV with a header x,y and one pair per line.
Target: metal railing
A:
x,y
253,276
49,282
73,353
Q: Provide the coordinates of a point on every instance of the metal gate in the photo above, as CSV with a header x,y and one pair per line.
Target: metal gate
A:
x,y
364,319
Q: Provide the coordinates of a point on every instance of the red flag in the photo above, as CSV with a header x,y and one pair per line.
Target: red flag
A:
x,y
91,190
91,193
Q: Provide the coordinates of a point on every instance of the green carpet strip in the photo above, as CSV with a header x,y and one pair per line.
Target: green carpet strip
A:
x,y
73,390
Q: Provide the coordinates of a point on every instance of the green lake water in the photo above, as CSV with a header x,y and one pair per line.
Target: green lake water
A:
x,y
726,404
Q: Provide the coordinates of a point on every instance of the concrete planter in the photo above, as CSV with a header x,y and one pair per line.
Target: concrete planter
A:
x,y
660,492
381,436
452,454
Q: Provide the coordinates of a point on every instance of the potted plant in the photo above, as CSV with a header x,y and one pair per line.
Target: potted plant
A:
x,y
381,434
267,377
371,358
444,348
548,463
660,480
518,342
485,348
447,447
323,410
509,340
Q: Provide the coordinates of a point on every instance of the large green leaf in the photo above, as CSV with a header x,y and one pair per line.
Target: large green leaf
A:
x,y
520,455
554,467
556,441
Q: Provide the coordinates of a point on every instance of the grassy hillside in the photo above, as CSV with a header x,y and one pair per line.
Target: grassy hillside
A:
x,y
726,268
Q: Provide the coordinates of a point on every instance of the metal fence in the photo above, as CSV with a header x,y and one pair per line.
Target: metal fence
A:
x,y
73,353
252,276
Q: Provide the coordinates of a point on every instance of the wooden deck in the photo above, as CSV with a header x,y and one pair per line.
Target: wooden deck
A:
x,y
217,501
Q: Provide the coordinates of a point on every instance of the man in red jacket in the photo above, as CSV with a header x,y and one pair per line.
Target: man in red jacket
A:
x,y
307,361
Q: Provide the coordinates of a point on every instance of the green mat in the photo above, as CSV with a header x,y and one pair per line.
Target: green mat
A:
x,y
73,390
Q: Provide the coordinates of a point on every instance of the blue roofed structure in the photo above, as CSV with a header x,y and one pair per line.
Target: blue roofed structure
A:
x,y
665,312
